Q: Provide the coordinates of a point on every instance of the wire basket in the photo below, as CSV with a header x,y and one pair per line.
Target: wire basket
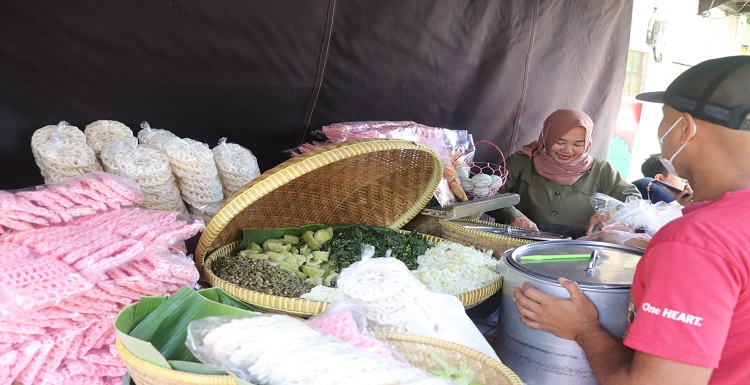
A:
x,y
482,179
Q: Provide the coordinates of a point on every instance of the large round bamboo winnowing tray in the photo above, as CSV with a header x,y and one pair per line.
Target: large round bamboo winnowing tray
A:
x,y
371,182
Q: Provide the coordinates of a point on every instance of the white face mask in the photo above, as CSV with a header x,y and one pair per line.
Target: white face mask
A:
x,y
668,162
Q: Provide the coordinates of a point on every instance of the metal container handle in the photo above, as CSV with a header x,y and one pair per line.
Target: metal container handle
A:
x,y
593,259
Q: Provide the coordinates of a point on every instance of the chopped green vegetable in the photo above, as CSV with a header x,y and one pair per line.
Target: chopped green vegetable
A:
x,y
309,238
346,246
291,239
461,375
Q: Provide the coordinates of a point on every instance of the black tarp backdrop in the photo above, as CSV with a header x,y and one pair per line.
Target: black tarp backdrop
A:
x,y
266,74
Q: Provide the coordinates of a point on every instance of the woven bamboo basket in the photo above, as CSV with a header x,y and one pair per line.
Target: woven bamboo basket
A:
x,y
373,182
486,369
454,231
305,307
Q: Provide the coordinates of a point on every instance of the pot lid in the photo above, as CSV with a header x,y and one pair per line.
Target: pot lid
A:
x,y
591,264
517,233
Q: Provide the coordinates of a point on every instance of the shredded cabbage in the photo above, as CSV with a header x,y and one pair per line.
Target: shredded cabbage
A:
x,y
452,268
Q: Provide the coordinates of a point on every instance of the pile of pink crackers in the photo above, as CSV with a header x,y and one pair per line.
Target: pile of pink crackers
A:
x,y
74,254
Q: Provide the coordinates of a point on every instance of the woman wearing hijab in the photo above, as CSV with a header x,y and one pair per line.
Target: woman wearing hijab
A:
x,y
555,177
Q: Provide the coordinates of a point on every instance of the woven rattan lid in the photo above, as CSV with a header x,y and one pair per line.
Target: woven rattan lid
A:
x,y
371,182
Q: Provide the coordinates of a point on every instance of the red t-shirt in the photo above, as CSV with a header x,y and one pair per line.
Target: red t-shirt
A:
x,y
690,299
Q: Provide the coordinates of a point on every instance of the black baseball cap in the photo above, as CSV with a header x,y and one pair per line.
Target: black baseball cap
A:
x,y
716,91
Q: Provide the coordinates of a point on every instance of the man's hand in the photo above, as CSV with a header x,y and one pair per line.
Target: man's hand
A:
x,y
685,197
524,222
597,220
564,317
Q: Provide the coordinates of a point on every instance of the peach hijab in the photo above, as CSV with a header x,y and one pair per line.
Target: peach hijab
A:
x,y
555,126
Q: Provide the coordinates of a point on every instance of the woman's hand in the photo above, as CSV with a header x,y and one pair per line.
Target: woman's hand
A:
x,y
597,220
524,222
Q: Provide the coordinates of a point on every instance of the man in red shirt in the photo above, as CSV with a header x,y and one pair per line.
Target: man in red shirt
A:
x,y
690,299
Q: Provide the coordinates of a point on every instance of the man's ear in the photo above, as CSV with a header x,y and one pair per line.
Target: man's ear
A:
x,y
690,129
659,177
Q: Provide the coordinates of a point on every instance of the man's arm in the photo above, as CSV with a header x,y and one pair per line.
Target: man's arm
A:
x,y
576,318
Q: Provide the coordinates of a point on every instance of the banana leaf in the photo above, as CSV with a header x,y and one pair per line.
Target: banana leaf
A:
x,y
155,328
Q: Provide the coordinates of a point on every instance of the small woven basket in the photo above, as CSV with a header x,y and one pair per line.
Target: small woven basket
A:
x,y
375,182
305,307
486,369
145,373
454,231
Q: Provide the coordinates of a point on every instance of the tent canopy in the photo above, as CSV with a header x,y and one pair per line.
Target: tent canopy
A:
x,y
265,74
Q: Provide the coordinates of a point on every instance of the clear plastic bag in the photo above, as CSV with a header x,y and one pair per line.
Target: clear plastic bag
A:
x,y
640,215
237,166
345,320
396,301
276,349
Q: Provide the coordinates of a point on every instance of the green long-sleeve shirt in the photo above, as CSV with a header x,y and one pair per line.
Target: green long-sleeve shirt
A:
x,y
547,202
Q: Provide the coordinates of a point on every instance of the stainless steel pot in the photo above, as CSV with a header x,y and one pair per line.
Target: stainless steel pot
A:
x,y
604,272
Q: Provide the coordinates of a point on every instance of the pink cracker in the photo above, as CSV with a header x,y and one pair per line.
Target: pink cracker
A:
x,y
78,198
113,199
54,313
104,357
138,284
103,219
17,338
62,341
30,372
42,200
171,288
98,294
116,222
109,257
96,241
24,355
7,360
75,346
14,224
96,306
52,195
143,284
116,289
160,221
97,330
108,339
186,232
79,187
45,294
81,367
81,211
5,347
20,274
11,252
167,269
24,216
18,328
17,203
49,324
44,239
129,191
115,261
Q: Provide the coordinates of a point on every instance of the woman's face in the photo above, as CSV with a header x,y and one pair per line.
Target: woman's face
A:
x,y
569,147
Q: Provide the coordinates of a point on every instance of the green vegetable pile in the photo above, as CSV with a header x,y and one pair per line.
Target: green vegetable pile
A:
x,y
346,247
461,375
